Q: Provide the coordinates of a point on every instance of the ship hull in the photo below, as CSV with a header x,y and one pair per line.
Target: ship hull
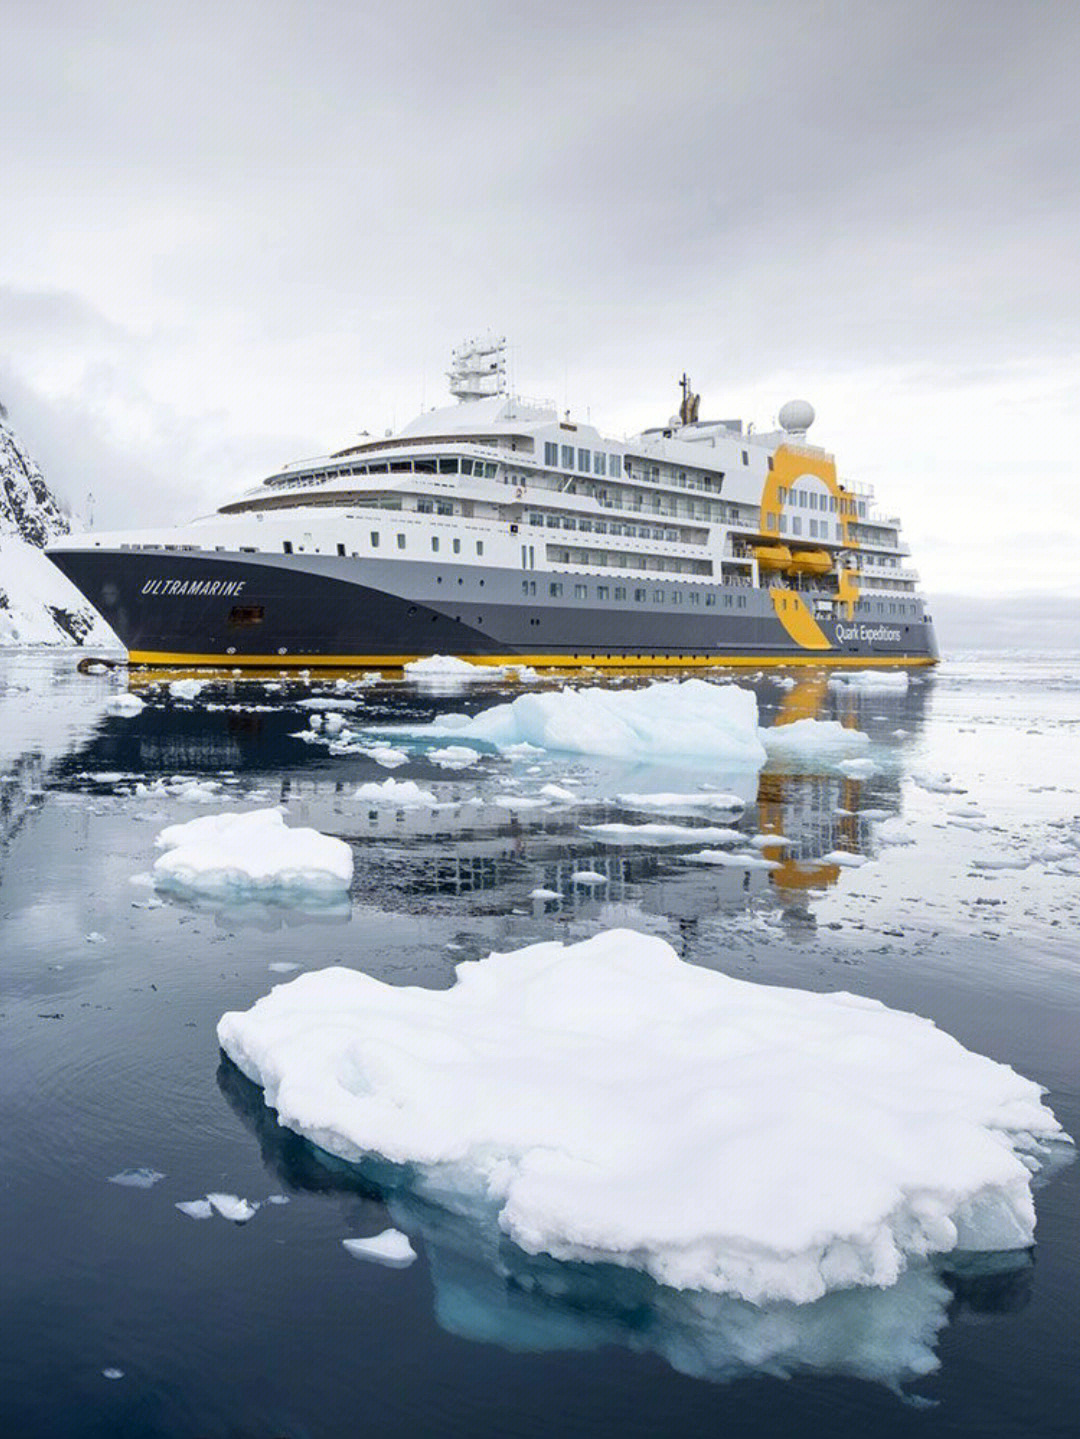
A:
x,y
239,609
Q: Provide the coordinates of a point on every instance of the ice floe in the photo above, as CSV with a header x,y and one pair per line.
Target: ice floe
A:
x,y
608,1102
810,740
453,756
231,1206
673,718
672,803
391,1248
137,1178
196,1208
663,834
124,704
252,852
881,682
185,689
403,793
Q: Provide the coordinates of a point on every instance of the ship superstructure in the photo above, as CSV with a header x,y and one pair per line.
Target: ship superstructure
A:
x,y
500,529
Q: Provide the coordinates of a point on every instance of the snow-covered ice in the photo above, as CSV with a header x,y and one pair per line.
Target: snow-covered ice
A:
x,y
252,852
663,834
402,793
881,682
137,1178
125,703
185,689
391,1248
196,1208
672,718
231,1206
453,756
612,1103
809,740
675,803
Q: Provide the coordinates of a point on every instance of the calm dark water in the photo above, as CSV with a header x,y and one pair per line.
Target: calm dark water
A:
x,y
108,1062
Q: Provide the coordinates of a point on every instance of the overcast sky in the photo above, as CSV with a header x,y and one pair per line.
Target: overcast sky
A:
x,y
235,234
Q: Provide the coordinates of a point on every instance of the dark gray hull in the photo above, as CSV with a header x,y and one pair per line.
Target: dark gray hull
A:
x,y
286,610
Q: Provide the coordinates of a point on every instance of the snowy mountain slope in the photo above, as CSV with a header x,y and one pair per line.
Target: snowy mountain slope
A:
x,y
38,605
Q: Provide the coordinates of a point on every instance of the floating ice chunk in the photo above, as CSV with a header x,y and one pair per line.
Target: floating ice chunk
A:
x,y
687,718
315,722
588,877
1011,862
124,704
391,1248
333,724
185,689
560,793
607,1102
252,852
453,756
231,1206
283,966
890,682
328,702
810,739
740,860
856,768
386,755
402,793
845,858
447,667
196,1208
936,783
137,1178
112,1374
94,937
662,834
674,803
277,1199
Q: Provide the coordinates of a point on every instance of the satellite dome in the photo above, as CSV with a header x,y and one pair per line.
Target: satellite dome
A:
x,y
796,417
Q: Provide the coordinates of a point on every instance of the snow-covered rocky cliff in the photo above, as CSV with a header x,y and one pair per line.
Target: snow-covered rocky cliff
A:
x,y
38,605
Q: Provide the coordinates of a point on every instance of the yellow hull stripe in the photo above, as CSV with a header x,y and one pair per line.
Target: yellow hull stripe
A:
x,y
801,626
556,662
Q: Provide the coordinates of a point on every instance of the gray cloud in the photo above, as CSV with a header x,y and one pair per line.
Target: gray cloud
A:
x,y
281,217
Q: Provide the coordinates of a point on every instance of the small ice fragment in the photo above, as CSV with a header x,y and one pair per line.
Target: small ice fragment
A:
x,y
124,704
95,938
386,755
230,1206
185,689
136,1178
844,857
283,966
195,1208
558,792
112,1374
857,768
277,1199
391,1248
453,756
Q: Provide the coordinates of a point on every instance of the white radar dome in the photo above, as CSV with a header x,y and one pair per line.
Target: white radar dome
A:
x,y
796,417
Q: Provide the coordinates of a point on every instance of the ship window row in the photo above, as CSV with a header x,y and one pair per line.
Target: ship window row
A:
x,y
641,595
627,560
571,457
449,465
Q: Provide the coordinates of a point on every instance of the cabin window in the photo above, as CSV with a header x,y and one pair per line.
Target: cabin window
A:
x,y
603,592
796,525
620,592
551,453
745,457
286,545
640,596
374,539
568,457
555,589
770,522
401,542
710,601
658,597
479,547
581,592
598,462
425,507
341,549
676,597
695,597
457,547
242,615
444,507
435,544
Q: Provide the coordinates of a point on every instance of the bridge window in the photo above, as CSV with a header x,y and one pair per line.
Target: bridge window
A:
x,y
551,453
584,460
448,467
568,457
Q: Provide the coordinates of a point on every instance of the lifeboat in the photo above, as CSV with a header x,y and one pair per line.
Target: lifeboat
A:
x,y
811,562
773,557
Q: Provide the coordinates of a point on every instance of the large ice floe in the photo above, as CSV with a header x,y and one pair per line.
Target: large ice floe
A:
x,y
808,741
254,853
668,717
608,1103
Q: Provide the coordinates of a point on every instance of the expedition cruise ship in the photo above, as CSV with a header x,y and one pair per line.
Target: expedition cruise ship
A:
x,y
499,530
